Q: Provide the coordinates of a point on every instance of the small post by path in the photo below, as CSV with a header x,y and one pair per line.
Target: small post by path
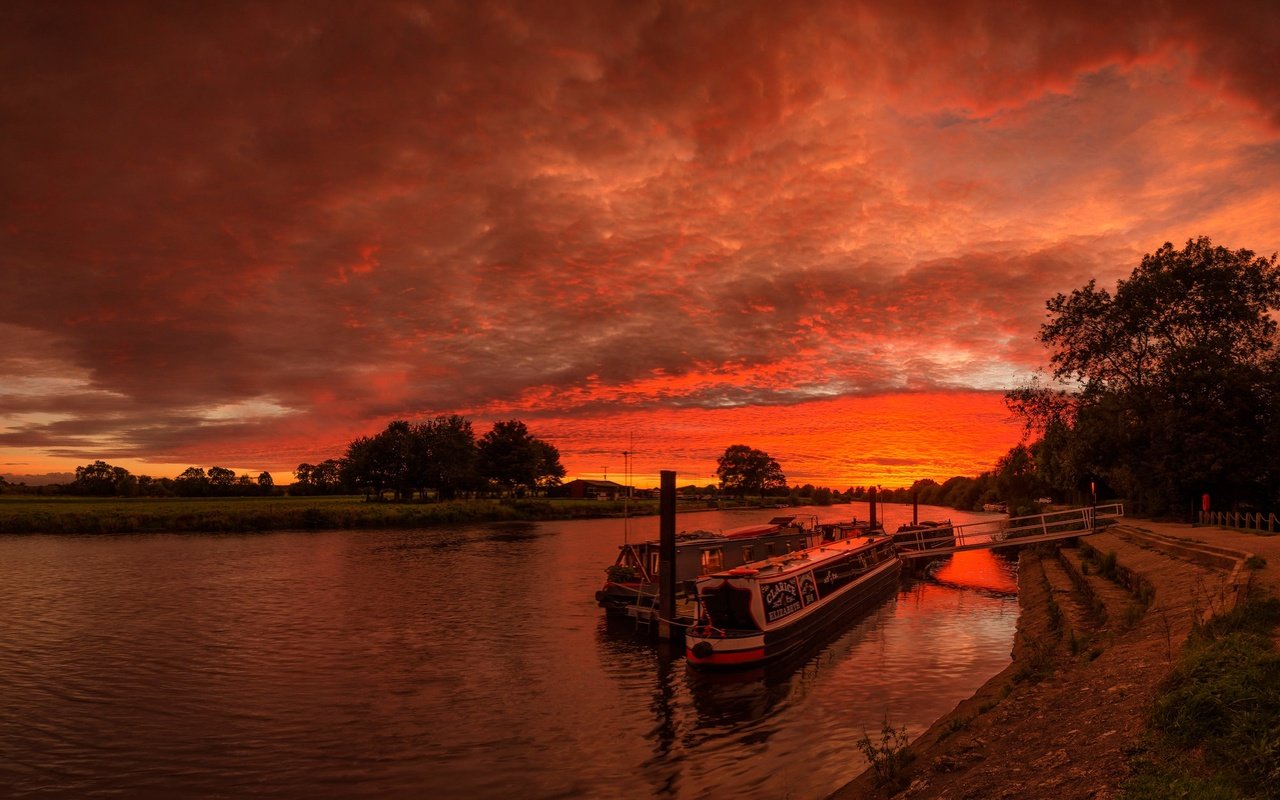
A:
x,y
666,551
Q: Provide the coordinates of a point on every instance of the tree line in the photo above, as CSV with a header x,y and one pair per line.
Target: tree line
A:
x,y
441,458
743,469
101,479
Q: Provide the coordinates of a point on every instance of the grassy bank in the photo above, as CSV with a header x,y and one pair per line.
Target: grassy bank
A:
x,y
1216,721
27,514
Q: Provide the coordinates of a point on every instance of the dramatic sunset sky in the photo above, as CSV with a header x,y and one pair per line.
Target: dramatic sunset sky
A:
x,y
241,234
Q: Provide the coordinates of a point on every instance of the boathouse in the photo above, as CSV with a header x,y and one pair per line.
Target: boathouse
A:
x,y
592,490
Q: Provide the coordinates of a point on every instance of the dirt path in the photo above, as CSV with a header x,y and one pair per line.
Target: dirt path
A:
x,y
1061,722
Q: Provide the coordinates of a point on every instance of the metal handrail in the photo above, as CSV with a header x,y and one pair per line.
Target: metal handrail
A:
x,y
991,533
1243,520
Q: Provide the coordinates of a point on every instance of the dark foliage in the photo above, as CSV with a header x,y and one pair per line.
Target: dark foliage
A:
x,y
1167,389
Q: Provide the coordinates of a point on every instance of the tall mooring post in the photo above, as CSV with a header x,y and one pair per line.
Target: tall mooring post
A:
x,y
872,503
915,508
666,551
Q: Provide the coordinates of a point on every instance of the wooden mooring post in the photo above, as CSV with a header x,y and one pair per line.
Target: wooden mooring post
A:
x,y
666,552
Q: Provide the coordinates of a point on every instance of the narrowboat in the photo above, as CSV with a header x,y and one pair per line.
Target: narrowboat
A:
x,y
764,610
836,531
633,578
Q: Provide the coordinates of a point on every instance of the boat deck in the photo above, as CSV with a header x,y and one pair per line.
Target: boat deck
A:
x,y
686,613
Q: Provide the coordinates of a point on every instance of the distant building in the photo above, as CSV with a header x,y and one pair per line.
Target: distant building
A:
x,y
591,490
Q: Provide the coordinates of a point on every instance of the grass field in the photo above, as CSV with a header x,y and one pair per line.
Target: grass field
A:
x,y
36,514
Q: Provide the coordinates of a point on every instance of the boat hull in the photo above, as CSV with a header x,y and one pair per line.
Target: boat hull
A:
x,y
733,651
621,600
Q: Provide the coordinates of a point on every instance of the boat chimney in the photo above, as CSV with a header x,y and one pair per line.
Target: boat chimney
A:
x,y
872,526
666,551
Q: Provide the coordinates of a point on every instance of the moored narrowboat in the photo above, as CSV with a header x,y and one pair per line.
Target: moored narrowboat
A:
x,y
633,578
764,610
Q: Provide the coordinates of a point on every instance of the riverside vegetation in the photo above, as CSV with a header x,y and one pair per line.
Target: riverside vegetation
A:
x,y
83,515
31,514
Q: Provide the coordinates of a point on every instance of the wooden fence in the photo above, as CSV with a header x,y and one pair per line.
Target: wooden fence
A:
x,y
1245,520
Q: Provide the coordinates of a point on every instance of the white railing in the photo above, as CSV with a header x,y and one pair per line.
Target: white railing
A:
x,y
1245,520
1013,530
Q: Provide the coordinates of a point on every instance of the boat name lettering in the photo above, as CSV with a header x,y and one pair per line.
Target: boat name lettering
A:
x,y
780,599
808,588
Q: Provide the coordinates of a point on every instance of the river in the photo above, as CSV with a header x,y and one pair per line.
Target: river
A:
x,y
460,662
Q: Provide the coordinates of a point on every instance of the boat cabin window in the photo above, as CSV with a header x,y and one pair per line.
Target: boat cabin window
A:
x,y
729,608
712,560
653,564
768,549
746,555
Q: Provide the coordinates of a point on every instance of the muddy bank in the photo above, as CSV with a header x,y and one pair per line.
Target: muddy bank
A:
x,y
1101,625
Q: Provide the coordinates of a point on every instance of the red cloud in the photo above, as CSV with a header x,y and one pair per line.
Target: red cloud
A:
x,y
317,218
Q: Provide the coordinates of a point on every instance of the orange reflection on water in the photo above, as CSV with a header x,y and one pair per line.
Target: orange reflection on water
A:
x,y
976,569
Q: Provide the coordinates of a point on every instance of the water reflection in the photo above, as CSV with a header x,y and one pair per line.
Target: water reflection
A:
x,y
461,662
799,721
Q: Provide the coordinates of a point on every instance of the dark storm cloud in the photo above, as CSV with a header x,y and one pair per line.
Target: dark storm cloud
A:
x,y
230,225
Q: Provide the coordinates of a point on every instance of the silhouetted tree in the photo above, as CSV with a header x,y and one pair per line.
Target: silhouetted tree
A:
x,y
742,469
1169,386
221,481
192,482
103,480
1017,482
515,460
446,455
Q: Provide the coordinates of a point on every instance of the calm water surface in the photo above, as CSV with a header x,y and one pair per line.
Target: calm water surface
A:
x,y
461,662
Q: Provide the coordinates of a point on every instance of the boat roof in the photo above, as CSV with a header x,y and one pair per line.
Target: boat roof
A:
x,y
800,559
752,530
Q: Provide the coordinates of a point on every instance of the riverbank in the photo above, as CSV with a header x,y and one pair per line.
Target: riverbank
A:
x,y
90,515
82,515
1103,626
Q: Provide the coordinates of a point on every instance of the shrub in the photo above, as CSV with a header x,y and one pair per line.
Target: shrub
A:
x,y
888,758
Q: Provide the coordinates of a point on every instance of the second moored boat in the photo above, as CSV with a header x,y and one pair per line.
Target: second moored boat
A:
x,y
767,609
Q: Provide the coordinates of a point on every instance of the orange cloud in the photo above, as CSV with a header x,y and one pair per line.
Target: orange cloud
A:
x,y
587,210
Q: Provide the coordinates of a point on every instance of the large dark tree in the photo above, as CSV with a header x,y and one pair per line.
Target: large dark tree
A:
x,y
192,482
102,479
1016,479
369,465
446,455
1168,387
221,480
743,469
516,460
